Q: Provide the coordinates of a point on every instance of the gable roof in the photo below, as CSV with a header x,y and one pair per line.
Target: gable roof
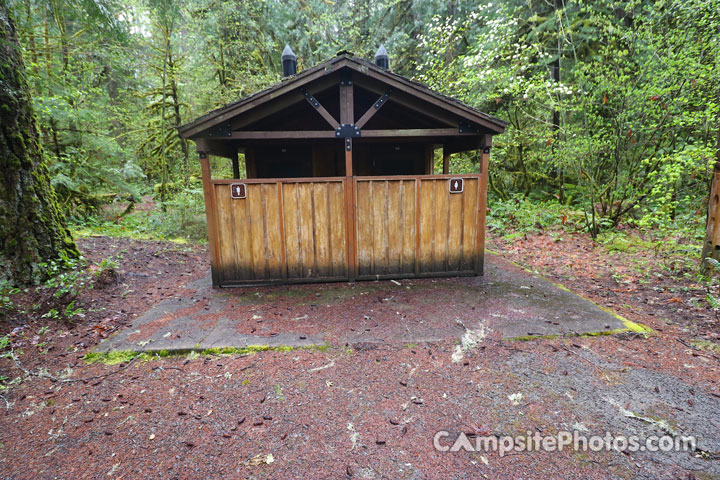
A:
x,y
343,59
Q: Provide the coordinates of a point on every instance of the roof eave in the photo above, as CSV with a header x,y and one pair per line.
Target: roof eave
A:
x,y
221,114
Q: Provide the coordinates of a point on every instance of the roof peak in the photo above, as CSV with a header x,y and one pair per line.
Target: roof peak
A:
x,y
343,59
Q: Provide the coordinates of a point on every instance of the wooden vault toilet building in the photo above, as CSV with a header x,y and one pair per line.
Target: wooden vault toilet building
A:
x,y
340,183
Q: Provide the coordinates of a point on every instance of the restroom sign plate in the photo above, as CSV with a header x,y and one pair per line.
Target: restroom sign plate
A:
x,y
456,185
237,190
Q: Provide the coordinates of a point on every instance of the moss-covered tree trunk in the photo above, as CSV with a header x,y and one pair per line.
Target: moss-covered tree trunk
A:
x,y
32,228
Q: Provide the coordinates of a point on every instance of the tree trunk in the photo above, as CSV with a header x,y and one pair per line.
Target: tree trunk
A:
x,y
32,228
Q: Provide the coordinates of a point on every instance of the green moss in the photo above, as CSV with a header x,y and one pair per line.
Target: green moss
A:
x,y
243,350
705,345
113,358
630,326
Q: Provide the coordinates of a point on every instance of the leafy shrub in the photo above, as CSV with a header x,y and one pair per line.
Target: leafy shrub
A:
x,y
520,214
69,278
184,216
6,293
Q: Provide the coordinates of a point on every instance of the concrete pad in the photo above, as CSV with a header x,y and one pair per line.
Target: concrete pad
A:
x,y
520,304
507,302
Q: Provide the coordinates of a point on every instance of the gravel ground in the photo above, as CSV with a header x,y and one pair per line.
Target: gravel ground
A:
x,y
361,410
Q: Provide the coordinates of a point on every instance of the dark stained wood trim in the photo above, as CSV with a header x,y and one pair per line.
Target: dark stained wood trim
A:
x,y
236,166
279,135
347,111
399,276
260,98
217,148
322,111
429,160
275,180
414,177
372,110
305,134
417,132
289,281
393,276
244,119
250,164
327,69
279,104
447,105
364,178
408,101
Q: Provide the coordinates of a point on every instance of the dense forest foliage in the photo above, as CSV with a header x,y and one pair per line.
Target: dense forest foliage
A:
x,y
614,106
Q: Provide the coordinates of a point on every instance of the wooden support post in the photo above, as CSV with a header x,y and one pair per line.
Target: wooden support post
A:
x,y
347,110
210,212
283,251
351,237
711,247
347,116
446,160
250,166
482,206
236,166
429,160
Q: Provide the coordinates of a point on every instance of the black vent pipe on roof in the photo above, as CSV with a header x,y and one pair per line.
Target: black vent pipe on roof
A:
x,y
289,62
382,59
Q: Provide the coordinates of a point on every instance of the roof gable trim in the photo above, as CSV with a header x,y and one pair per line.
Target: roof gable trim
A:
x,y
326,68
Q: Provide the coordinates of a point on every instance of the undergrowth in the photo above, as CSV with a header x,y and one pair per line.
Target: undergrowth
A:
x,y
673,247
179,219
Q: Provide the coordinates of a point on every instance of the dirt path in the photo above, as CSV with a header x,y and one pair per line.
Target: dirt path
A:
x,y
368,411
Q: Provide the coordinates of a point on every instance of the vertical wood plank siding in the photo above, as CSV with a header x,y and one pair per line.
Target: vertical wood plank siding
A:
x,y
386,226
282,230
288,230
401,220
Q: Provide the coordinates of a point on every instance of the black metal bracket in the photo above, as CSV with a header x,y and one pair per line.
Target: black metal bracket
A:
x,y
202,154
347,130
345,77
310,98
467,128
220,130
486,150
382,100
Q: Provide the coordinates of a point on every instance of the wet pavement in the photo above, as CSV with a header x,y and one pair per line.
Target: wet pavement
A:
x,y
507,302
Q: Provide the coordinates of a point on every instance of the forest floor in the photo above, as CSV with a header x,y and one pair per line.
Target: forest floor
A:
x,y
361,410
